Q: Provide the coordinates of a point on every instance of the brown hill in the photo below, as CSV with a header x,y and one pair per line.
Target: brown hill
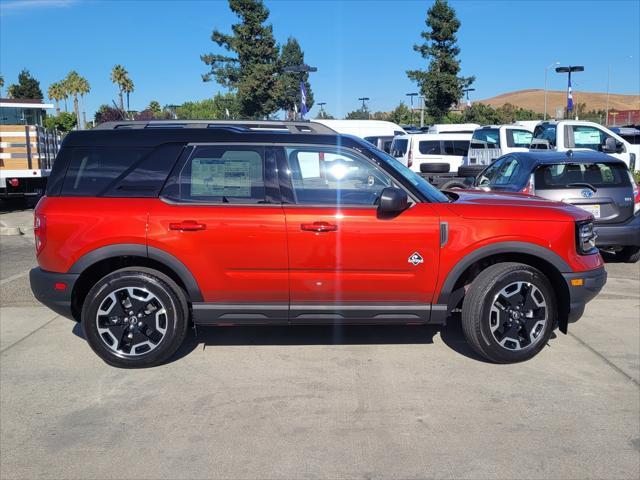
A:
x,y
533,99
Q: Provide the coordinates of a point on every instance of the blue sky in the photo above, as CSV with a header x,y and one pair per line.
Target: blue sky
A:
x,y
361,48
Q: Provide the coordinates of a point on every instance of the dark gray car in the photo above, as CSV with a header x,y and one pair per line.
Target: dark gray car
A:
x,y
593,181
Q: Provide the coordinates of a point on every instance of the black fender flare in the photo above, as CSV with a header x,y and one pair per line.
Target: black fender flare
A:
x,y
141,250
530,249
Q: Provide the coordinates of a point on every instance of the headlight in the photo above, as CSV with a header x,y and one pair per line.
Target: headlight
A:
x,y
585,238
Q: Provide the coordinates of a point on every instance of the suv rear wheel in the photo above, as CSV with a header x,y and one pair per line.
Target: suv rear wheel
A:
x,y
509,312
135,317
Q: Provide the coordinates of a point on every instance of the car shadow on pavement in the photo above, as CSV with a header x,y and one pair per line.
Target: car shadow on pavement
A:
x,y
204,337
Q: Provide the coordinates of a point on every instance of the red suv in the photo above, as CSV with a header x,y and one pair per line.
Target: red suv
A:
x,y
148,227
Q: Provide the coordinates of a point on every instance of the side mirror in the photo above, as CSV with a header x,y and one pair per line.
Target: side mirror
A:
x,y
393,200
610,145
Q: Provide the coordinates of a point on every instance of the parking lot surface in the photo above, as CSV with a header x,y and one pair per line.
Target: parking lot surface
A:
x,y
318,402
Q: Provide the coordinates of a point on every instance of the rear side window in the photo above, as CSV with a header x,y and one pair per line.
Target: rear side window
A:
x,y
456,147
92,170
576,175
220,174
399,147
486,136
546,132
518,138
429,147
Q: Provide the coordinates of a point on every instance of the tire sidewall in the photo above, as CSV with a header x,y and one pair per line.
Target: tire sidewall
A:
x,y
118,280
498,352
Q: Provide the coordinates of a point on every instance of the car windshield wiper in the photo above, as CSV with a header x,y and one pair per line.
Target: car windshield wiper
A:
x,y
582,184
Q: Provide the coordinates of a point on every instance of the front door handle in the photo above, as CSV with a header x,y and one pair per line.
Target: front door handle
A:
x,y
319,227
187,226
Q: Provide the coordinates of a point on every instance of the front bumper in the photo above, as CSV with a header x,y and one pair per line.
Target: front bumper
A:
x,y
619,235
591,281
43,286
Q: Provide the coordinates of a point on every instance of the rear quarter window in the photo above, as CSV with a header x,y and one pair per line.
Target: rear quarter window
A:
x,y
429,147
399,147
576,175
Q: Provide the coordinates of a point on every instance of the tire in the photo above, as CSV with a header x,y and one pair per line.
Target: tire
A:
x,y
470,170
629,254
485,323
453,185
434,167
135,317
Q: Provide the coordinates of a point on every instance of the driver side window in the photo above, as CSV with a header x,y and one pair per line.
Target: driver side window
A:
x,y
333,176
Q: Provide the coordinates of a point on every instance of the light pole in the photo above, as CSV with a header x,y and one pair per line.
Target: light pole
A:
x,y
466,91
301,69
411,95
546,70
364,106
322,104
568,70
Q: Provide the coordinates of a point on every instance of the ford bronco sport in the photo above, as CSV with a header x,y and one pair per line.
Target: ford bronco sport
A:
x,y
148,227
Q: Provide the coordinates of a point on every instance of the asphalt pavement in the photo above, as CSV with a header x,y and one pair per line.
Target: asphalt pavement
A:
x,y
317,402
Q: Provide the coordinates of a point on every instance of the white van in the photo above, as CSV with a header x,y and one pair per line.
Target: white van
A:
x,y
378,132
412,150
493,141
563,135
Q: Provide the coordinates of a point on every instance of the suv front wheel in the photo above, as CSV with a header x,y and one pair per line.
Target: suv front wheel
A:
x,y
135,317
509,312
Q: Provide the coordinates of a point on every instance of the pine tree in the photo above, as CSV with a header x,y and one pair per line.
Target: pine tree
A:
x,y
440,84
289,83
27,87
252,68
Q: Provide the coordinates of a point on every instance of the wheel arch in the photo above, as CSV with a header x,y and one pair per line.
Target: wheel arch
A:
x,y
548,262
102,261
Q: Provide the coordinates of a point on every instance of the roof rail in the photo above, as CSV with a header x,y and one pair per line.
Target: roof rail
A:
x,y
244,125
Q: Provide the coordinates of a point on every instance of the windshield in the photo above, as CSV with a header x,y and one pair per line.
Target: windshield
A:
x,y
576,175
424,187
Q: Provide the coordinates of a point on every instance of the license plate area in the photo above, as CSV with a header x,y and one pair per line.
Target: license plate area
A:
x,y
592,209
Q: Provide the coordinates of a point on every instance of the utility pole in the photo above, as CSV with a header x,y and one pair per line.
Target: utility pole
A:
x,y
322,104
545,86
466,91
421,111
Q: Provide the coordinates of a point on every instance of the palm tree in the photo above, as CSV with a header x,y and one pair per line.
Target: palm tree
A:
x,y
127,88
120,77
56,92
77,85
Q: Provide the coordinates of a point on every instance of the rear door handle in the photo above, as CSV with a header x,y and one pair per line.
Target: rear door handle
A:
x,y
187,226
319,227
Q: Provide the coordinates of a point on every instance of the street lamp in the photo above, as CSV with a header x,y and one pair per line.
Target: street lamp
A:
x,y
364,106
568,70
322,104
411,95
466,91
545,86
301,69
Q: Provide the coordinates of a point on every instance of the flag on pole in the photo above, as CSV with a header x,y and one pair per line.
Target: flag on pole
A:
x,y
303,100
569,96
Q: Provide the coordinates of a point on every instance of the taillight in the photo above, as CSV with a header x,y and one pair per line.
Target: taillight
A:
x,y
636,195
410,158
529,189
39,231
14,182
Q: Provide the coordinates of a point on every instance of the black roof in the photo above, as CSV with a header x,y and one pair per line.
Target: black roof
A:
x,y
150,134
570,156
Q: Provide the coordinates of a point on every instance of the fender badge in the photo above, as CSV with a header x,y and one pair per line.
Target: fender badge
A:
x,y
415,259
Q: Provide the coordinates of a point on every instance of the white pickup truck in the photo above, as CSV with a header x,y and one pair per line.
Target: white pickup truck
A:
x,y
563,135
493,141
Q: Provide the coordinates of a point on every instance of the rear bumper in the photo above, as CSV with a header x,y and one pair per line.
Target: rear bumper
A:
x,y
579,295
43,286
619,235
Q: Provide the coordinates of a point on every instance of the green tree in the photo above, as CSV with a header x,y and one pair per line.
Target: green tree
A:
x,y
155,107
120,77
27,87
251,69
56,92
106,113
481,114
440,84
324,115
210,109
128,89
63,122
401,115
289,82
360,114
77,86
